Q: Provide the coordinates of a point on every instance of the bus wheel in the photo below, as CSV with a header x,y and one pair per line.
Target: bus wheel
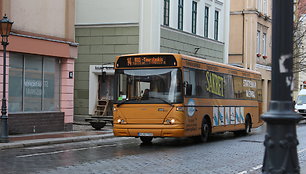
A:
x,y
248,126
146,140
205,132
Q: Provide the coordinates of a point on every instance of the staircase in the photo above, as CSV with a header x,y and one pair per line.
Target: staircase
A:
x,y
101,107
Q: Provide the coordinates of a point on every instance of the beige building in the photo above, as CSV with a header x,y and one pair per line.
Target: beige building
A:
x,y
251,39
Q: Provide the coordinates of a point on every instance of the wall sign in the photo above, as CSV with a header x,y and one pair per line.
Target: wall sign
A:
x,y
70,74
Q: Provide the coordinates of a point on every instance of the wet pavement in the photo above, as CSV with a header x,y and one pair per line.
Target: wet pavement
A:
x,y
80,133
54,135
87,133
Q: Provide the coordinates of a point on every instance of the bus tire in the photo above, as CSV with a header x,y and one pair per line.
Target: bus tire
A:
x,y
146,140
247,129
205,131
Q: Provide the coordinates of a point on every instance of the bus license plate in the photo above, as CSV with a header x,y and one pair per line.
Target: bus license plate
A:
x,y
145,134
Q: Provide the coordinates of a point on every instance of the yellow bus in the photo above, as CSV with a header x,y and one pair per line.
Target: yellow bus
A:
x,y
174,95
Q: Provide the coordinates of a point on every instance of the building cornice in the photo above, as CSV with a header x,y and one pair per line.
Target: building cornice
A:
x,y
219,2
190,34
123,24
259,14
265,67
46,39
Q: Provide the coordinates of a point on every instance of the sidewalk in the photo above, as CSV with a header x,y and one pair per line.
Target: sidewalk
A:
x,y
83,132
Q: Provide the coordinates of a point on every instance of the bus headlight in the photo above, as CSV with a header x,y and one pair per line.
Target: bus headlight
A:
x,y
180,109
172,121
168,121
120,121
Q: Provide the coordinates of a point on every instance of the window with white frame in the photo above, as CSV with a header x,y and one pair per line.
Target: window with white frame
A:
x,y
206,20
180,14
194,17
264,44
258,42
216,25
166,12
259,5
265,7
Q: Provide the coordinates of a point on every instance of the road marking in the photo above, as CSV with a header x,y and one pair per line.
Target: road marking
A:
x,y
62,151
301,151
260,166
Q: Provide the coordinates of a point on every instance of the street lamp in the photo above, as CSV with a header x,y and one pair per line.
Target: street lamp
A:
x,y
5,29
281,139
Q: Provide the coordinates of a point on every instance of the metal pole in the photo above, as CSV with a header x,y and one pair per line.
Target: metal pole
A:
x,y
281,141
4,125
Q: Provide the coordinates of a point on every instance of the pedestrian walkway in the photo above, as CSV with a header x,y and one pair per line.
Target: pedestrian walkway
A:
x,y
80,133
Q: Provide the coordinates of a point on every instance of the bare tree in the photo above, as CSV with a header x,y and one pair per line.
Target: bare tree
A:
x,y
299,40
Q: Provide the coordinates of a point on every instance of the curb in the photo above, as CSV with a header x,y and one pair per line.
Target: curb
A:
x,y
50,141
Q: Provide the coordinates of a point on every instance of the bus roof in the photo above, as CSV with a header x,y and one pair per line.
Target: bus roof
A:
x,y
179,58
218,64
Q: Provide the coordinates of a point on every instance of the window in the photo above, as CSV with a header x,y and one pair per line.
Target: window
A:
x,y
258,42
206,17
194,17
180,14
259,5
265,6
145,86
33,82
166,12
33,78
208,84
216,27
264,44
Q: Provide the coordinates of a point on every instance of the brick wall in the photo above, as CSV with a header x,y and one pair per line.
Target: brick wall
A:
x,y
22,123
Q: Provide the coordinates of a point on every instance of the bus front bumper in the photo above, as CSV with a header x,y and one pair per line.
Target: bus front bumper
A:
x,y
149,130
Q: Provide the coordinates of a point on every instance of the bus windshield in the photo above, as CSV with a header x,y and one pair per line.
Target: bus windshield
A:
x,y
148,86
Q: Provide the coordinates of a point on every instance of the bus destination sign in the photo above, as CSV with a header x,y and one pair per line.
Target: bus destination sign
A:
x,y
146,61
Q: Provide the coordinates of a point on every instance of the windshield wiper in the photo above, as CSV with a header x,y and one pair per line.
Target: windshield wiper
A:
x,y
163,100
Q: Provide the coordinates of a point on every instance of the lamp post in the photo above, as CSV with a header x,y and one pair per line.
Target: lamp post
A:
x,y
281,140
5,29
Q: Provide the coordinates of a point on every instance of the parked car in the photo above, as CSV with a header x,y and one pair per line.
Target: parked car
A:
x,y
300,104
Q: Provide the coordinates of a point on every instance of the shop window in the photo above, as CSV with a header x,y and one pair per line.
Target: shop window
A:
x,y
33,83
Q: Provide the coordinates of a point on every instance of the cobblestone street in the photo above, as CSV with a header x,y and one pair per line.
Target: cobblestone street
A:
x,y
224,154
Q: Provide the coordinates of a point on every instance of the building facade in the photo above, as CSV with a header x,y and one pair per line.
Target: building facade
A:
x,y
117,27
251,39
40,55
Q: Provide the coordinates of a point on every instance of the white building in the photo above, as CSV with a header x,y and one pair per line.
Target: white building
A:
x,y
108,28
